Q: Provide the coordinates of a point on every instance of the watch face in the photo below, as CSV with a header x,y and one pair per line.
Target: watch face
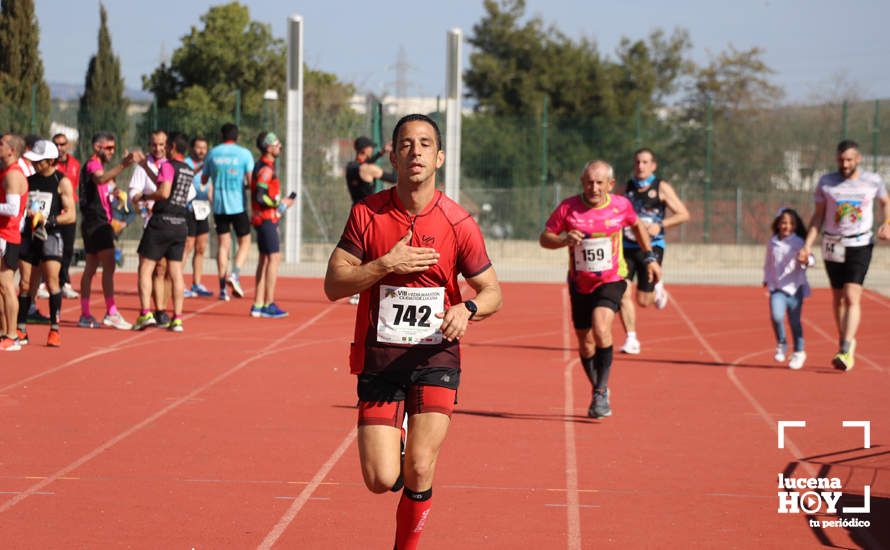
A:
x,y
471,305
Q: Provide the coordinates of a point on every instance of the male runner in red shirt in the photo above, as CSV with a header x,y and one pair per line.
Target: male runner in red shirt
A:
x,y
402,249
13,194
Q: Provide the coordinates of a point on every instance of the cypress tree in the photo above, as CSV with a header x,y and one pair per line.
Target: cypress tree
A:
x,y
102,105
23,91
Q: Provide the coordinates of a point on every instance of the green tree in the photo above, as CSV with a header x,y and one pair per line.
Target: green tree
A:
x,y
103,106
229,52
597,106
22,87
743,101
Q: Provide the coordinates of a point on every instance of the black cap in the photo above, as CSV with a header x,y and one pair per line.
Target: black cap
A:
x,y
362,142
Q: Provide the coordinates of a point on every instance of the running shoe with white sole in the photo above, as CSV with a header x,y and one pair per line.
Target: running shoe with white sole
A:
x,y
235,281
779,356
600,407
9,344
68,292
845,361
22,337
798,358
661,296
201,291
272,311
631,346
117,321
224,296
176,326
162,318
256,311
42,292
88,321
145,321
189,293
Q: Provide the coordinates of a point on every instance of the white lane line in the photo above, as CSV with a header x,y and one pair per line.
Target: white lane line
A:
x,y
149,420
104,351
730,373
291,513
573,513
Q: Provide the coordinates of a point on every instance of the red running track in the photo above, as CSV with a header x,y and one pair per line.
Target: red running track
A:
x,y
239,433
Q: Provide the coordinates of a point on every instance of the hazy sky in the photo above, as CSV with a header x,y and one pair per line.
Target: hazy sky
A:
x,y
810,44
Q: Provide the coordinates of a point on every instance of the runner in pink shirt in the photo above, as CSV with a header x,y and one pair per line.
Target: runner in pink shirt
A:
x,y
590,225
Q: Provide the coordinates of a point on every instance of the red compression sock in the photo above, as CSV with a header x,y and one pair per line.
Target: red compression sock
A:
x,y
411,516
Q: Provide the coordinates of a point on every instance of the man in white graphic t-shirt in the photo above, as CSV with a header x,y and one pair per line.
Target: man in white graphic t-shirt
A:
x,y
844,212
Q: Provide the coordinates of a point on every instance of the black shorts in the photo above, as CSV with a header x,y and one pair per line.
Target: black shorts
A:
x,y
388,386
34,250
99,239
197,227
163,240
240,222
853,269
267,237
9,254
606,295
635,258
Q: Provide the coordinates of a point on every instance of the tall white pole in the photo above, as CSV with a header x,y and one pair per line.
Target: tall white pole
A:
x,y
294,220
453,93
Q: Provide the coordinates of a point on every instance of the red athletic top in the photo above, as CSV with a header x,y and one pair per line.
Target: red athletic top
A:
x,y
264,175
71,169
374,226
11,226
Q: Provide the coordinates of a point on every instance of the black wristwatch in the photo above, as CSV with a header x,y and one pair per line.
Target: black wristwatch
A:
x,y
471,305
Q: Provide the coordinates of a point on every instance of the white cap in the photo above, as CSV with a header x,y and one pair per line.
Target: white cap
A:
x,y
42,150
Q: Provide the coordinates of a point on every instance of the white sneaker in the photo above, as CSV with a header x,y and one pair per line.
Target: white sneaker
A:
x,y
631,346
798,358
69,292
42,292
117,321
353,299
661,296
780,354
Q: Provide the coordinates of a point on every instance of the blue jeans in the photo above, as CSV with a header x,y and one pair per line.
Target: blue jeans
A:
x,y
779,303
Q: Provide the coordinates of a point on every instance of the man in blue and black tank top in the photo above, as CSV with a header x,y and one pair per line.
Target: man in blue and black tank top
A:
x,y
651,198
167,229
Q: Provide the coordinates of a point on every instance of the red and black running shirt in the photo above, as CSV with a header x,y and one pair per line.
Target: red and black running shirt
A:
x,y
375,225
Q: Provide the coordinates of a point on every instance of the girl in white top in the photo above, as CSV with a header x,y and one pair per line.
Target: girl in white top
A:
x,y
786,279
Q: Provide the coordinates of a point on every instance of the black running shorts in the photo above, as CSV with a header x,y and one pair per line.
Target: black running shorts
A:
x,y
163,240
606,295
853,269
99,239
635,258
240,222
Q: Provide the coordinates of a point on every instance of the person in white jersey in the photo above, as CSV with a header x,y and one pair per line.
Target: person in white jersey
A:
x,y
844,212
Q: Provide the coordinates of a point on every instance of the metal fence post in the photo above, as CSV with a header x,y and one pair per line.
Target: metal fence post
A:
x,y
875,132
738,215
709,130
543,176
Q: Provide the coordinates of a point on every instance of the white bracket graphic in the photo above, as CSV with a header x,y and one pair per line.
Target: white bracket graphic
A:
x,y
788,424
866,430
